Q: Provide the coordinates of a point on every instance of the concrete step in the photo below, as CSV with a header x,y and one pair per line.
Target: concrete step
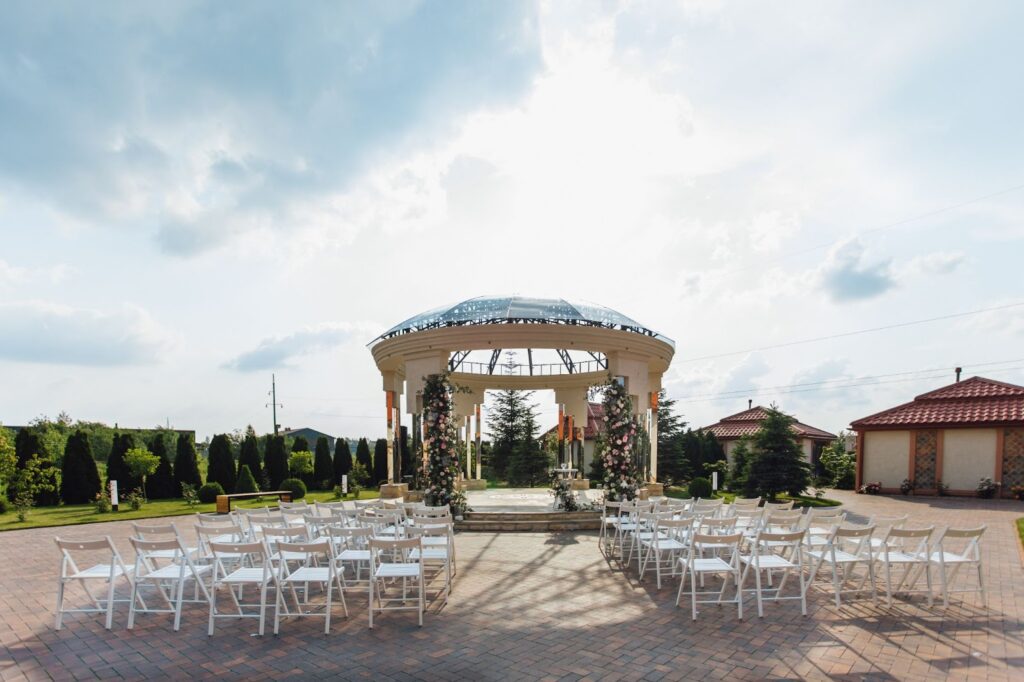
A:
x,y
529,522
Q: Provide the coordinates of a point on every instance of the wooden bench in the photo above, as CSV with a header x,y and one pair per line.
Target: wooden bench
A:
x,y
224,501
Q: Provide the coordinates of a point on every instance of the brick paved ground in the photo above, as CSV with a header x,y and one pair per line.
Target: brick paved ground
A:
x,y
534,606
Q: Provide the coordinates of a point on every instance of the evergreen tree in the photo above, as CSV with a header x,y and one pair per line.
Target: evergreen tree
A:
x,y
117,470
673,466
160,484
323,467
300,444
342,459
738,482
380,461
363,455
778,463
506,428
406,452
27,445
80,480
529,462
276,461
249,455
186,464
246,483
220,467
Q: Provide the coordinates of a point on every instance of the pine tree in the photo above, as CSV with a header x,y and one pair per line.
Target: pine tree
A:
x,y
27,445
380,461
323,467
777,464
738,467
342,459
160,484
276,459
117,470
186,464
506,428
673,466
249,455
529,463
245,483
220,466
363,455
80,480
300,444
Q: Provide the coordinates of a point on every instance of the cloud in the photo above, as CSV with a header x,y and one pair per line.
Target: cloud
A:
x,y
44,332
938,263
845,277
14,275
277,351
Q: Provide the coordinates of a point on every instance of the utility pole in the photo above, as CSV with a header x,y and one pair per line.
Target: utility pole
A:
x,y
273,401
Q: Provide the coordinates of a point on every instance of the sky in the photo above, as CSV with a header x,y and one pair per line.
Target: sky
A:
x,y
194,196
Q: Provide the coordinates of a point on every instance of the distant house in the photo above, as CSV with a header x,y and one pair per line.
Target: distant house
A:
x,y
730,429
956,435
595,414
311,436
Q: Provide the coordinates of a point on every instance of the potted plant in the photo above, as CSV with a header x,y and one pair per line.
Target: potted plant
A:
x,y
987,488
1017,491
907,486
871,488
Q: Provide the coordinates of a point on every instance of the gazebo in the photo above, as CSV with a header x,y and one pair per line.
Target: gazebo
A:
x,y
589,341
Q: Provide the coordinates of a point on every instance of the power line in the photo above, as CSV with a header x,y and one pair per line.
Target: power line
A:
x,y
854,333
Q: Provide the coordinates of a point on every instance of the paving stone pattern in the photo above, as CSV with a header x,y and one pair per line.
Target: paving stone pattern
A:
x,y
536,606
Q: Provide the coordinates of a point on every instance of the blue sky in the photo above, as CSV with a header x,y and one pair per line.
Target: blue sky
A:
x,y
195,195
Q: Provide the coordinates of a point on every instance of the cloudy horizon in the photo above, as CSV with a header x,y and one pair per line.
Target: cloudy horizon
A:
x,y
196,195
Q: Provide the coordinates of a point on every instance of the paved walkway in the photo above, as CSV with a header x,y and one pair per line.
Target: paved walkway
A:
x,y
535,606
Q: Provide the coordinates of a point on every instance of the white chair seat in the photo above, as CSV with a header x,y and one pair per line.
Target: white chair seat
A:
x,y
354,555
244,575
101,571
664,544
170,553
949,558
710,565
309,574
841,557
172,572
430,554
288,556
904,558
769,561
434,541
397,571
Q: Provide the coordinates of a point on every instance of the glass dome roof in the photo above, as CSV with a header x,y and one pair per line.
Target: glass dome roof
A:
x,y
519,310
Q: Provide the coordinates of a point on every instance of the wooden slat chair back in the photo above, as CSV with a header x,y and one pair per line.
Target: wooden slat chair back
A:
x,y
956,548
844,549
712,554
109,570
389,561
775,552
173,575
317,566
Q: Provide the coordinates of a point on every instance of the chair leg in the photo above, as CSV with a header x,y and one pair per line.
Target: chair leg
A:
x,y
327,615
177,606
757,586
131,605
835,583
944,585
60,603
263,606
371,601
213,608
110,604
981,586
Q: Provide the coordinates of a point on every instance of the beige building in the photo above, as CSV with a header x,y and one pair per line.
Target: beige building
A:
x,y
955,435
730,429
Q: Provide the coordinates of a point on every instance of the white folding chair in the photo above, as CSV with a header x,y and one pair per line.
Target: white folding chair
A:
x,y
174,575
434,539
165,531
109,572
436,555
819,525
907,547
707,507
230,573
745,503
318,567
770,507
298,504
610,515
954,549
882,525
352,548
399,566
697,565
775,552
666,544
843,550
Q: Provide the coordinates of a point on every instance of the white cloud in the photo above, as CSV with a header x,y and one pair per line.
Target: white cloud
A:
x,y
45,332
844,275
938,263
278,351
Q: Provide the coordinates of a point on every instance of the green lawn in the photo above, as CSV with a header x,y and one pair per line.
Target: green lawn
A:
x,y
41,517
801,500
1020,529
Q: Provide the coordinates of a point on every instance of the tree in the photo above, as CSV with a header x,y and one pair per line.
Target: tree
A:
x,y
300,464
529,463
220,467
363,454
840,465
79,479
141,463
323,468
738,467
380,461
161,485
117,469
506,428
245,483
342,459
39,479
27,445
186,464
777,464
8,457
673,466
276,461
249,455
406,452
300,444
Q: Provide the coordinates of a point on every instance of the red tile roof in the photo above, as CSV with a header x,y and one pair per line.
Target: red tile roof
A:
x,y
974,401
595,412
747,423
